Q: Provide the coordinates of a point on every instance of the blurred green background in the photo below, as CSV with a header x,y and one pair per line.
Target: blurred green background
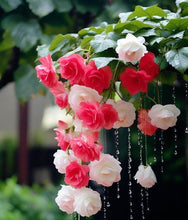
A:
x,y
25,24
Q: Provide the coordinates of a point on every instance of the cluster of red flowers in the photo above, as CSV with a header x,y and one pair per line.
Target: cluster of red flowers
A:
x,y
73,68
136,81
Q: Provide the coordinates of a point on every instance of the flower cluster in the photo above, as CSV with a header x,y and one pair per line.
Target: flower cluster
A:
x,y
85,91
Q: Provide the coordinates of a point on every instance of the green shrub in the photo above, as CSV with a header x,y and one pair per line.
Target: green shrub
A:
x,y
29,203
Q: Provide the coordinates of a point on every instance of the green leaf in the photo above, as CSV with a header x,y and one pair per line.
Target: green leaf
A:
x,y
185,12
26,82
5,57
177,35
62,39
185,77
124,16
161,61
77,50
9,5
103,61
63,5
101,43
167,77
40,7
9,22
145,32
43,50
178,24
56,41
85,6
178,59
155,11
154,40
183,4
90,31
25,34
131,25
86,41
149,12
7,42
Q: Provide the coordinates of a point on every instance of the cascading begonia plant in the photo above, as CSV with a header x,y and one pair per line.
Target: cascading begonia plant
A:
x,y
101,77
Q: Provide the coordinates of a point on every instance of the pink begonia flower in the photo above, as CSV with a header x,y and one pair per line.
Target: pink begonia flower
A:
x,y
145,123
78,127
131,48
72,68
87,202
126,113
106,171
145,176
110,115
98,79
61,95
91,115
47,72
164,116
86,151
77,175
80,94
62,138
65,199
62,159
91,137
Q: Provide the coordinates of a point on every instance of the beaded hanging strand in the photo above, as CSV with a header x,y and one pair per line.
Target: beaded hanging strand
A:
x,y
130,176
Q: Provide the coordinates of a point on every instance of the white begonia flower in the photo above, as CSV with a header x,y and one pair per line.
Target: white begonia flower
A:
x,y
164,116
80,94
106,170
131,48
126,114
145,176
87,202
65,199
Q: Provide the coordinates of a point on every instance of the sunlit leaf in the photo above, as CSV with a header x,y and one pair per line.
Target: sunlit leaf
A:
x,y
178,59
103,61
149,12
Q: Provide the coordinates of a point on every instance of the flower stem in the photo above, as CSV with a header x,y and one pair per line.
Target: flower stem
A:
x,y
158,91
147,96
119,95
79,217
112,87
146,148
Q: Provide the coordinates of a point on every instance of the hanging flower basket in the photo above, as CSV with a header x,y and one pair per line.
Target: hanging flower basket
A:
x,y
101,76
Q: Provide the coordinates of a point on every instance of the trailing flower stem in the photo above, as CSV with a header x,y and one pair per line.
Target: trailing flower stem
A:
x,y
147,96
79,217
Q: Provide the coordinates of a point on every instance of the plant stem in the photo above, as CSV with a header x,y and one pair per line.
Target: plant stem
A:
x,y
146,153
119,95
114,76
79,217
158,91
147,96
112,82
